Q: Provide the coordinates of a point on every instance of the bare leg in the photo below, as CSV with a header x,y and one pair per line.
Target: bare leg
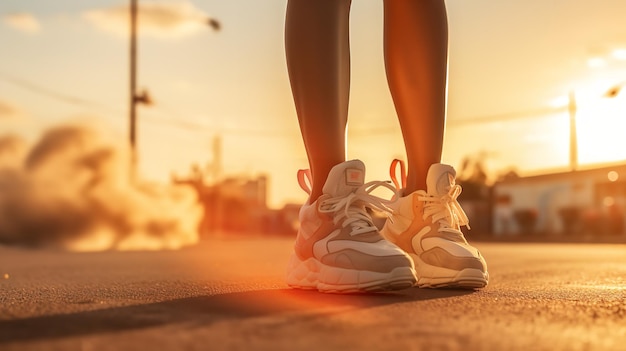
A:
x,y
416,60
318,60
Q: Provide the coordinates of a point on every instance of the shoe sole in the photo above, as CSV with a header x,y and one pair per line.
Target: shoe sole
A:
x,y
437,277
314,275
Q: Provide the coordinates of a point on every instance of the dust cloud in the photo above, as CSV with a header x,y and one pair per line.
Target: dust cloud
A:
x,y
71,190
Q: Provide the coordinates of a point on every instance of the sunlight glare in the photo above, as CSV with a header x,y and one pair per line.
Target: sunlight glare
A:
x,y
619,54
596,62
600,130
561,101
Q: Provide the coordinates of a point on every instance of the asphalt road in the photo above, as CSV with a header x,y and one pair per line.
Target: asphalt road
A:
x,y
229,295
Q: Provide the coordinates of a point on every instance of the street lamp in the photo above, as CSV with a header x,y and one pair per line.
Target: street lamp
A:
x,y
614,90
142,97
133,87
573,132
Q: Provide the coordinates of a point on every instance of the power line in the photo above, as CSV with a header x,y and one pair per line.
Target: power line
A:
x,y
182,123
178,123
38,89
541,112
195,126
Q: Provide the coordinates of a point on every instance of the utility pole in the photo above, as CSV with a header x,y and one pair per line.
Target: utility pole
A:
x,y
133,89
143,97
573,134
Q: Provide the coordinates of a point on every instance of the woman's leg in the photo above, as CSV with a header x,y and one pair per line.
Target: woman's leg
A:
x,y
416,61
318,61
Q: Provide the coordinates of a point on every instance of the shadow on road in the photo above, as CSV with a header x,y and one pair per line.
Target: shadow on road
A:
x,y
203,310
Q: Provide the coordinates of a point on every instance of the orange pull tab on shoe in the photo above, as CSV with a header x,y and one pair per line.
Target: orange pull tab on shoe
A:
x,y
305,180
392,172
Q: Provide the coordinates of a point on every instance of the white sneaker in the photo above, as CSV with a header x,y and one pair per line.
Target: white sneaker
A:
x,y
427,225
338,248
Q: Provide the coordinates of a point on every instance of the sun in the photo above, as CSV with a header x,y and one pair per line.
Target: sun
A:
x,y
600,130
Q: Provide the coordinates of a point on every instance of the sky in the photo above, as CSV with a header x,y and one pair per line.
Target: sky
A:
x,y
512,66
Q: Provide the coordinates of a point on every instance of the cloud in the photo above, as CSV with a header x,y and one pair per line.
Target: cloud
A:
x,y
22,21
71,190
9,111
155,19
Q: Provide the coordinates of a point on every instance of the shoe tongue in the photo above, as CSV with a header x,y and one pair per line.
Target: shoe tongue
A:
x,y
345,178
439,179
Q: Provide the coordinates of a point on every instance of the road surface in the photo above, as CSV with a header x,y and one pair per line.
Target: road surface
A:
x,y
228,294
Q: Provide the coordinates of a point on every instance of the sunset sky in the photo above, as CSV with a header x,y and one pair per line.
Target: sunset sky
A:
x,y
510,61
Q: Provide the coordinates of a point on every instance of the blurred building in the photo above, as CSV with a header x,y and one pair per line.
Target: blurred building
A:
x,y
238,205
578,202
477,205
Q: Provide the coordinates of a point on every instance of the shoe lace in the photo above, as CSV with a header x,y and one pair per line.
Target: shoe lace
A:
x,y
351,210
444,210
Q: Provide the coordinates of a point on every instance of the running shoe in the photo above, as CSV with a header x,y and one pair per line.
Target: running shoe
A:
x,y
338,248
427,225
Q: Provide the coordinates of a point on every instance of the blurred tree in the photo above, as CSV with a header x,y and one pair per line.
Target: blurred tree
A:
x,y
473,177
